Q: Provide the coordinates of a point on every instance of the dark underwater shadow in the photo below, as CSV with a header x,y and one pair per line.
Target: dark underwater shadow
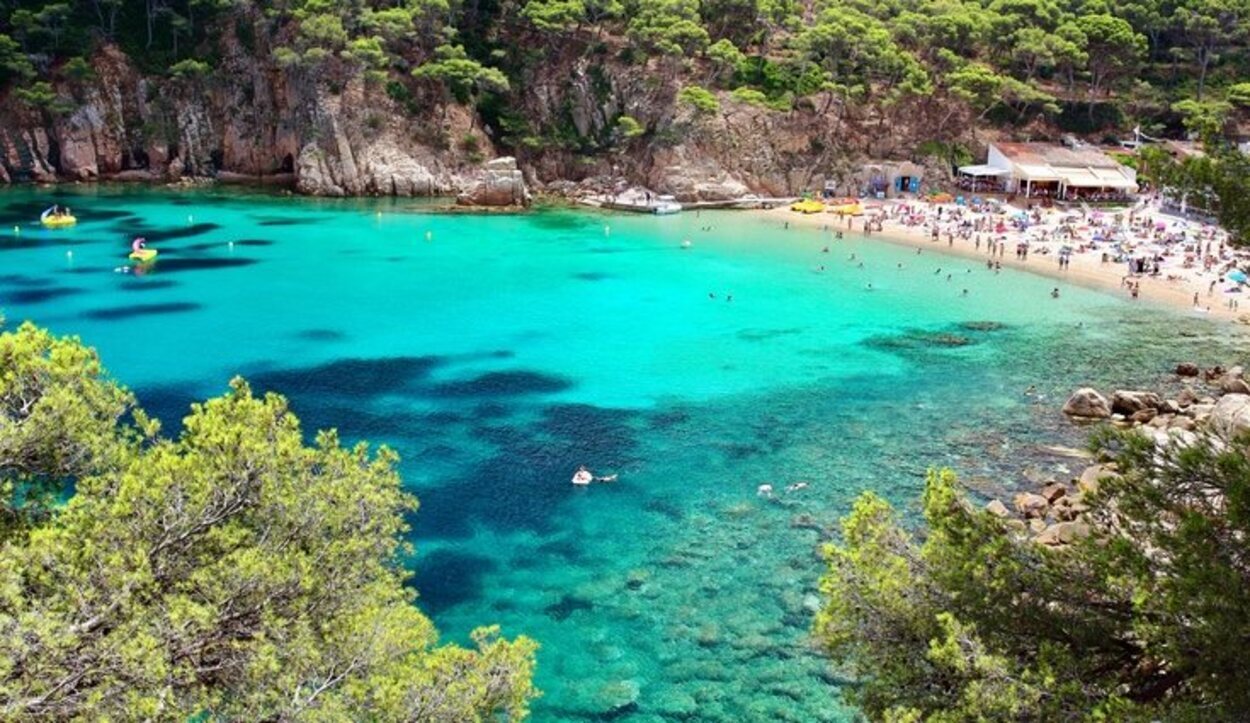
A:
x,y
121,313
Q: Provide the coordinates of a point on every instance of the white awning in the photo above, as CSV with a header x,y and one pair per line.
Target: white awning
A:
x,y
1081,178
983,170
1038,173
1114,178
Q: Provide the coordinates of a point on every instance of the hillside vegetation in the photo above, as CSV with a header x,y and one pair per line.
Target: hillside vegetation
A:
x,y
950,66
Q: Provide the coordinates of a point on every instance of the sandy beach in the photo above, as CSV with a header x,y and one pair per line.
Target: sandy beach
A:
x,y
1175,285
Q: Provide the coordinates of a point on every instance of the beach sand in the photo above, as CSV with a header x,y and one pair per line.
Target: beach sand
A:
x,y
1086,269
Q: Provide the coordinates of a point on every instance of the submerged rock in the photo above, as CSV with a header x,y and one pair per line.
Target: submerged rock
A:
x,y
1187,369
983,325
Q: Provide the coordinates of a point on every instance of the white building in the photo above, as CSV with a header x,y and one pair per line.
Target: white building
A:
x,y
1045,169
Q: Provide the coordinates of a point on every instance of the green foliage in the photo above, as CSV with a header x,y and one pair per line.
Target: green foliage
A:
x,y
1112,47
670,27
233,573
190,68
700,99
79,69
462,75
13,63
972,621
628,127
554,15
1218,181
750,96
1239,95
42,96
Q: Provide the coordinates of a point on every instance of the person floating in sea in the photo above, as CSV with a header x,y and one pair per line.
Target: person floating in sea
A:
x,y
584,476
1054,293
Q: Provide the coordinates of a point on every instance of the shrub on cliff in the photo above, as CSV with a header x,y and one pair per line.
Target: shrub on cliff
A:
x,y
1147,619
232,573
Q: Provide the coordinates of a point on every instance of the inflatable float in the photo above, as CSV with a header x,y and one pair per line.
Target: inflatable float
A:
x,y
56,220
138,252
807,205
846,207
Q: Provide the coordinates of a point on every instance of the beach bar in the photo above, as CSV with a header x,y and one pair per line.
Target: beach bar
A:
x,y
1044,170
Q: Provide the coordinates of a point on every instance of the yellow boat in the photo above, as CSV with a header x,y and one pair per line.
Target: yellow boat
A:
x,y
847,209
60,220
143,256
807,205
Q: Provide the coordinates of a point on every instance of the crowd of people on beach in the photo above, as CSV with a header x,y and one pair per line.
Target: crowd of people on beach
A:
x,y
1168,251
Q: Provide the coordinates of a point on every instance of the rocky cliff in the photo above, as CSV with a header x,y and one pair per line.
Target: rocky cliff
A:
x,y
253,121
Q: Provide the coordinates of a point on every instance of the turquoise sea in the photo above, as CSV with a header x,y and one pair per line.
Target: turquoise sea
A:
x,y
496,353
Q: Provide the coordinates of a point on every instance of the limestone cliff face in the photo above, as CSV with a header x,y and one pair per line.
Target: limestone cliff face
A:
x,y
251,120
735,150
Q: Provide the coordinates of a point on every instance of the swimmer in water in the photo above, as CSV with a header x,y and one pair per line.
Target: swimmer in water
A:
x,y
965,293
868,286
1054,293
825,250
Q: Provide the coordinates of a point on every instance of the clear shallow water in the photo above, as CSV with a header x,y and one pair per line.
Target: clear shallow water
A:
x,y
500,352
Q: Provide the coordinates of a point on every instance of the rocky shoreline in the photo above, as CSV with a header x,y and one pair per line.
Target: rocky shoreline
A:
x,y
1214,401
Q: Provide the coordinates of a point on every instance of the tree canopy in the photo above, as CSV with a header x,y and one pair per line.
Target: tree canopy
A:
x,y
1144,619
234,572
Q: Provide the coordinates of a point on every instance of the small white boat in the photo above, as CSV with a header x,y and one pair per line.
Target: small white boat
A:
x,y
582,476
665,205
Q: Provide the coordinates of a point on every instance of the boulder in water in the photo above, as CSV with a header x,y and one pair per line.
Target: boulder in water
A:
x,y
1231,415
1031,505
1129,403
1187,369
1087,403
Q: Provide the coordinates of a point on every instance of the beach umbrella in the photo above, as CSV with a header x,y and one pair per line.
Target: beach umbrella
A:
x,y
1237,276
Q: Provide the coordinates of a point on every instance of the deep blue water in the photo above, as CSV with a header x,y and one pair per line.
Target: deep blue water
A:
x,y
497,353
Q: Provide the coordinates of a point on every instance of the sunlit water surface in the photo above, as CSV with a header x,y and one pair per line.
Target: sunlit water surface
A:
x,y
496,353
